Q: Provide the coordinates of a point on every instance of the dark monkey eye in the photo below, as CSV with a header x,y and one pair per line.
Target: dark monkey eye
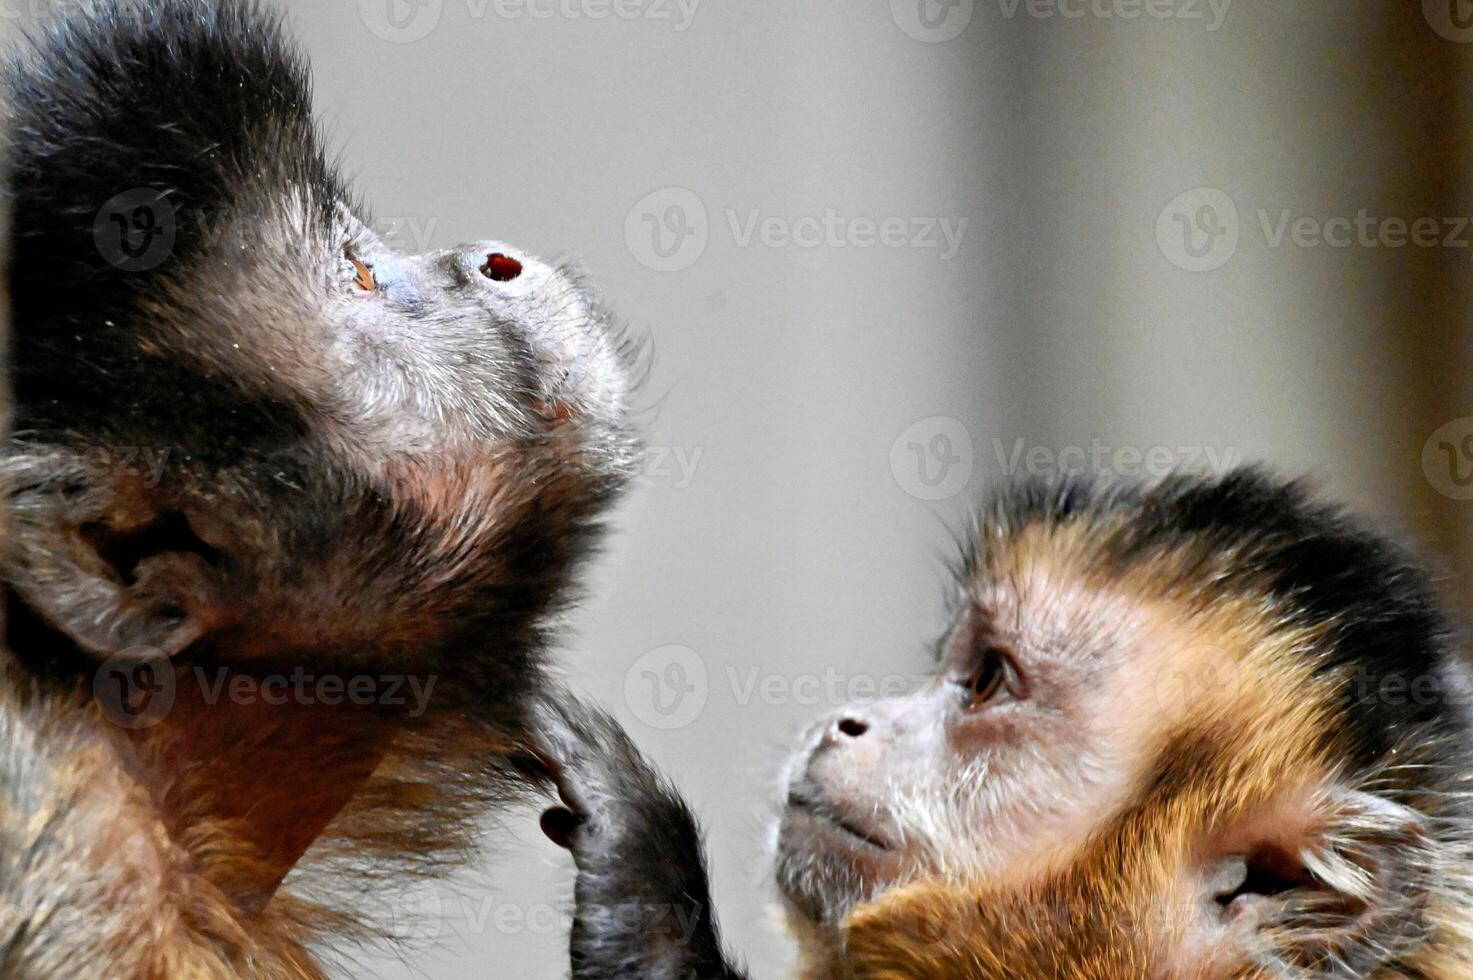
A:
x,y
362,274
990,678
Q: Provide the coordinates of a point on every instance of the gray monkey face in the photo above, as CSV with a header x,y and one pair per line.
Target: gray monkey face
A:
x,y
381,442
476,397
478,342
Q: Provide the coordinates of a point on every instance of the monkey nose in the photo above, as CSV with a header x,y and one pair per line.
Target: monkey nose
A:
x,y
501,267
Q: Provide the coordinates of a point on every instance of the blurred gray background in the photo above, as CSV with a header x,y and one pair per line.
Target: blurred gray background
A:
x,y
887,251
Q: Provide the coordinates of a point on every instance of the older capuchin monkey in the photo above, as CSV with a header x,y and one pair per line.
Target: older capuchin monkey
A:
x,y
289,512
1203,730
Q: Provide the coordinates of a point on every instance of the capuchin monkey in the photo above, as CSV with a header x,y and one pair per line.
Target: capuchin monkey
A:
x,y
1203,730
289,514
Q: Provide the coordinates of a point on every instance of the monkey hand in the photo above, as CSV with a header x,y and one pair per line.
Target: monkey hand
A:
x,y
643,906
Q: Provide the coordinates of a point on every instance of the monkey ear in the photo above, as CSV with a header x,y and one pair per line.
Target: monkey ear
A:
x,y
128,582
1344,881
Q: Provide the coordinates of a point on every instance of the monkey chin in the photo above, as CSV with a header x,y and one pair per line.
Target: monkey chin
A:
x,y
829,861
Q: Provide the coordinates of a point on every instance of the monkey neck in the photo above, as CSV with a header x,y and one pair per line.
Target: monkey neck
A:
x,y
241,786
249,787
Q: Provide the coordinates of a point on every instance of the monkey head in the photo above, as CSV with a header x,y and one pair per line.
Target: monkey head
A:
x,y
1205,729
246,425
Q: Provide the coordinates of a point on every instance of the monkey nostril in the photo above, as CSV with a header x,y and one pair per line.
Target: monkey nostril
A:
x,y
502,268
852,727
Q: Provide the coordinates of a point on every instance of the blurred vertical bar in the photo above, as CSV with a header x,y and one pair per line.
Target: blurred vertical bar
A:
x,y
1426,96
1341,354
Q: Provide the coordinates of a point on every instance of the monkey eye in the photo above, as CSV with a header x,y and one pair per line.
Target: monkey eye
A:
x,y
992,677
363,277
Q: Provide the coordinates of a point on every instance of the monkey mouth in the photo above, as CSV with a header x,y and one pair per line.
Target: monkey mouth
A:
x,y
824,812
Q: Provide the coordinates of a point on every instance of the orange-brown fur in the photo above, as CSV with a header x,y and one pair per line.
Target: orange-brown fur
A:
x,y
1255,736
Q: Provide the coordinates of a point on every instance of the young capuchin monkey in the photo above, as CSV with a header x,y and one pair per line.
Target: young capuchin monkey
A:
x,y
1203,730
288,513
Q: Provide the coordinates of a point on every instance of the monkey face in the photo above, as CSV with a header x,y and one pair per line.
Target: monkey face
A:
x,y
473,348
996,765
1157,743
251,428
438,420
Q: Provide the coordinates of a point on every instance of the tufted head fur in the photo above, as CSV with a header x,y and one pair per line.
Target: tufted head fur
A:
x,y
1230,743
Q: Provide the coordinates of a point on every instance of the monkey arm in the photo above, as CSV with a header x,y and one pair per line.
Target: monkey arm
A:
x,y
643,903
